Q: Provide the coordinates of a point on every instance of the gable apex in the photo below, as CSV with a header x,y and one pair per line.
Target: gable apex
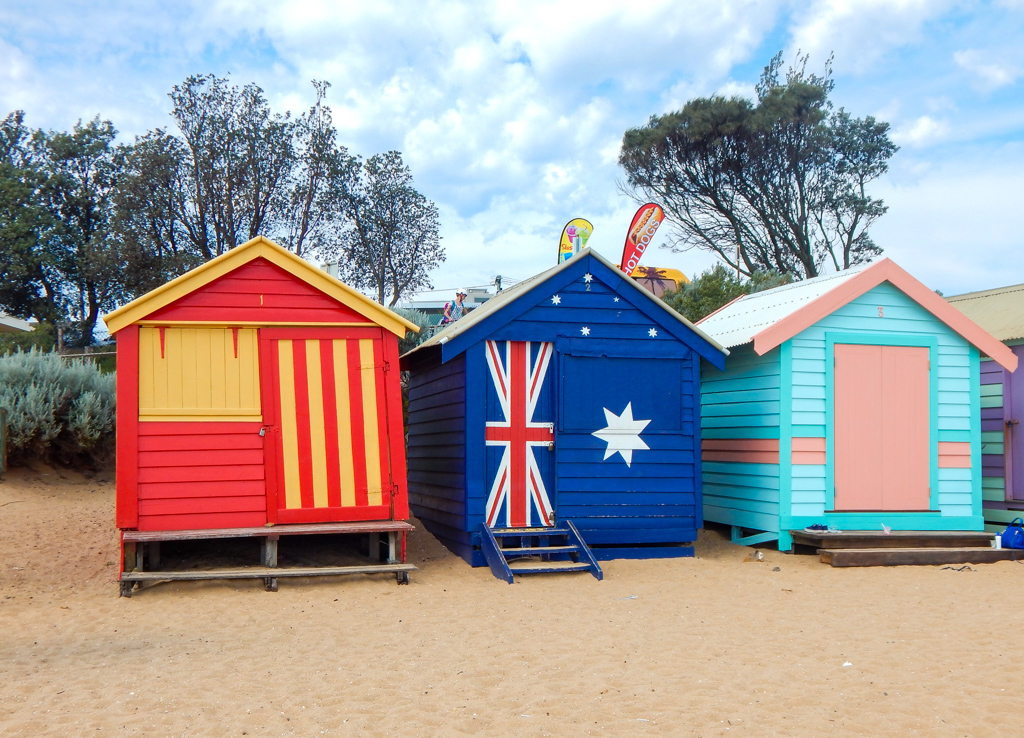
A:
x,y
241,255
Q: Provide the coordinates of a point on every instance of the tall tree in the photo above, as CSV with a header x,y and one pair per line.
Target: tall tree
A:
x,y
29,263
314,209
81,177
776,185
237,160
392,242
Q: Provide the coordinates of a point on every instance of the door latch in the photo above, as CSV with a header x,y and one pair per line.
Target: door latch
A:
x,y
263,432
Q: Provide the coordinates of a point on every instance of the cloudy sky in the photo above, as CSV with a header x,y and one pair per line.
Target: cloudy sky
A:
x,y
511,114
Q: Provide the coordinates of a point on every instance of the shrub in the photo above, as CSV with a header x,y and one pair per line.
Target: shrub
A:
x,y
57,411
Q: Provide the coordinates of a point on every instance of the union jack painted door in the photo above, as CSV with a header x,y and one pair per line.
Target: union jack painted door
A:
x,y
328,444
520,434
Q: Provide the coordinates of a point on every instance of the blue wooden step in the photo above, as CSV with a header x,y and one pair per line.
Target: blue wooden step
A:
x,y
497,557
539,531
538,550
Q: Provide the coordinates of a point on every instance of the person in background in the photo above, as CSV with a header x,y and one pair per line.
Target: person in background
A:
x,y
454,310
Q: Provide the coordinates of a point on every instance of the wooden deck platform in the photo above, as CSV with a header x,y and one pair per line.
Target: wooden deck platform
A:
x,y
141,560
903,547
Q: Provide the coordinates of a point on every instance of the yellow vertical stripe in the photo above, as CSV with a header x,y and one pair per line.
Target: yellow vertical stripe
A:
x,y
317,431
289,429
371,436
341,383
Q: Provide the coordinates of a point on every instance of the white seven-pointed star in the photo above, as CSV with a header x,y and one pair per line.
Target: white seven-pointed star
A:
x,y
588,277
585,331
622,434
556,300
653,333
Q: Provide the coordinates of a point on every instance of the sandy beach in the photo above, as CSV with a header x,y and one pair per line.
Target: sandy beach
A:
x,y
714,645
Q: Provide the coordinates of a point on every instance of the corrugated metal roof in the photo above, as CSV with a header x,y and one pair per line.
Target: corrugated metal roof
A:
x,y
10,324
999,311
505,297
738,322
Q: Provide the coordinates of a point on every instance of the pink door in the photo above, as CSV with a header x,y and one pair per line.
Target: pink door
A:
x,y
881,434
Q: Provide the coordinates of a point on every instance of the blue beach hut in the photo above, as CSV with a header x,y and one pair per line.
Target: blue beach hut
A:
x,y
571,399
850,401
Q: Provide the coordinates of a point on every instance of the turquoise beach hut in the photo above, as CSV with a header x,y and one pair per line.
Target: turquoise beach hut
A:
x,y
849,400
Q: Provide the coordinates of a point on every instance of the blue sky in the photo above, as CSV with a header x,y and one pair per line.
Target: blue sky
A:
x,y
511,113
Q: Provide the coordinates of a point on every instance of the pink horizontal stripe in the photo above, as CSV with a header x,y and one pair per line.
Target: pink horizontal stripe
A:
x,y
809,444
954,455
808,458
740,444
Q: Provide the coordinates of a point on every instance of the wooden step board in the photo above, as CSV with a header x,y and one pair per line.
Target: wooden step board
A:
x,y
850,539
917,556
537,550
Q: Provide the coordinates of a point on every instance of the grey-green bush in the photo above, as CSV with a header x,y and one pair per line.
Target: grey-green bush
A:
x,y
58,411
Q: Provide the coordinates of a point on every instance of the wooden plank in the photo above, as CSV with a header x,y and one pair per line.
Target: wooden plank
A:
x,y
260,572
894,539
381,526
916,556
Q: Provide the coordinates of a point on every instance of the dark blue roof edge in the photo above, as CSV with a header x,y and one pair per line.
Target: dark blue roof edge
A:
x,y
633,293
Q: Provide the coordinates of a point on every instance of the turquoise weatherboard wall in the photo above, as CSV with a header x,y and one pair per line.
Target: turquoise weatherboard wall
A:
x,y
777,498
742,402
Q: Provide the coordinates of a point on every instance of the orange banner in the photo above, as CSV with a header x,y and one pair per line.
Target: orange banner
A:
x,y
641,231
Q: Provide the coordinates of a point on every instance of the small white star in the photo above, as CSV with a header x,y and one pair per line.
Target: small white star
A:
x,y
616,299
652,333
588,277
622,434
585,331
556,300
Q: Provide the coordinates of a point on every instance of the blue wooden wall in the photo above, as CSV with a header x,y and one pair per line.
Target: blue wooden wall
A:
x,y
632,351
436,454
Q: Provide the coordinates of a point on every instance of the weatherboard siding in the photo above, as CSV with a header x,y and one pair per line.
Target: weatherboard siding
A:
x,y
436,451
886,312
743,403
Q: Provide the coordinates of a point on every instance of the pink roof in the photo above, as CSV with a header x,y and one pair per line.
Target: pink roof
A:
x,y
849,286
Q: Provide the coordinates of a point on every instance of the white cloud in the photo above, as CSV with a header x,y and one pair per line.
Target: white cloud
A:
x,y
955,227
922,132
989,74
860,32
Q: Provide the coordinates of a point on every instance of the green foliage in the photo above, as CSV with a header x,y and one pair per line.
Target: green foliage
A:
x,y
412,340
393,241
58,411
773,185
43,337
716,287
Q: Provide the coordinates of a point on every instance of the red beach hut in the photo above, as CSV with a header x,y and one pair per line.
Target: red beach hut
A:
x,y
257,395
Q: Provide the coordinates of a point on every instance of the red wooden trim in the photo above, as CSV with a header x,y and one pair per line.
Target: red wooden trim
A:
x,y
199,521
380,379
127,512
885,270
270,403
355,398
234,339
396,431
170,428
327,371
335,514
163,337
302,422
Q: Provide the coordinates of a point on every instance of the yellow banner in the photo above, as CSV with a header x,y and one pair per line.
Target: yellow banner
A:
x,y
574,238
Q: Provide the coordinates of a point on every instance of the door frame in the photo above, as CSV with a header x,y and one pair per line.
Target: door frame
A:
x,y
272,445
881,339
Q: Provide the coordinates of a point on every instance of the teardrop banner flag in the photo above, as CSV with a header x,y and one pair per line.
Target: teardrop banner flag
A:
x,y
641,231
574,238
